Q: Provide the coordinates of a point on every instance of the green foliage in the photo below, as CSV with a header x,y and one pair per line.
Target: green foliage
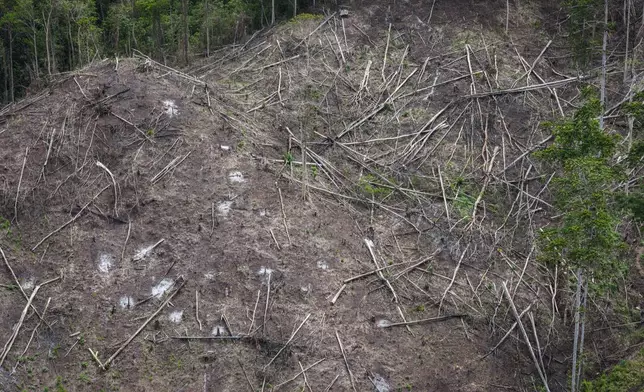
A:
x,y
370,185
624,377
586,236
288,158
582,29
61,35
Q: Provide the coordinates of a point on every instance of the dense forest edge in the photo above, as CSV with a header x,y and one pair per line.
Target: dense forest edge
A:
x,y
596,152
44,38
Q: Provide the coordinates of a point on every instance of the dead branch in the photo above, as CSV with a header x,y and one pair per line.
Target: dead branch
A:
x,y
288,342
71,220
16,329
106,364
346,363
116,193
427,320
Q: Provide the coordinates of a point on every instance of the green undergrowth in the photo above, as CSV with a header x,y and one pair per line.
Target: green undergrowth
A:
x,y
626,376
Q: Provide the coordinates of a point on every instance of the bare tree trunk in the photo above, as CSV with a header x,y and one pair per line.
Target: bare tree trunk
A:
x,y
5,75
12,92
575,344
583,333
294,8
603,81
46,21
507,15
272,12
207,5
71,42
36,64
80,46
186,33
627,4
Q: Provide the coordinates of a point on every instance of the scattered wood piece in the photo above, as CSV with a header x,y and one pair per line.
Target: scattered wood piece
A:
x,y
197,308
314,30
106,364
427,320
449,286
284,215
71,220
327,389
169,167
370,245
252,322
127,237
289,341
250,384
116,192
525,336
275,239
22,171
145,135
268,295
337,295
302,371
33,333
16,329
143,253
223,337
346,363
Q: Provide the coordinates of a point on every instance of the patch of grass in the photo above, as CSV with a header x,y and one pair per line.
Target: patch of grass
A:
x,y
84,378
628,375
369,185
60,387
303,17
464,204
288,158
53,352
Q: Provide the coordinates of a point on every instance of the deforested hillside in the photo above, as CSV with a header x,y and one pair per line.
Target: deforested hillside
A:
x,y
373,196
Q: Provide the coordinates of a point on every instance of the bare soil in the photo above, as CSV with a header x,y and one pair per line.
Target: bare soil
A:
x,y
263,263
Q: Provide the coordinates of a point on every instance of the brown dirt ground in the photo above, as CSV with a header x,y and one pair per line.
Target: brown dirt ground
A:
x,y
230,175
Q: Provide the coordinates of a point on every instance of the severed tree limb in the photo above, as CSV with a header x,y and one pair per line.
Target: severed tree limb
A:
x,y
346,363
289,341
22,171
440,305
525,336
116,193
16,330
105,365
71,220
276,387
15,279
